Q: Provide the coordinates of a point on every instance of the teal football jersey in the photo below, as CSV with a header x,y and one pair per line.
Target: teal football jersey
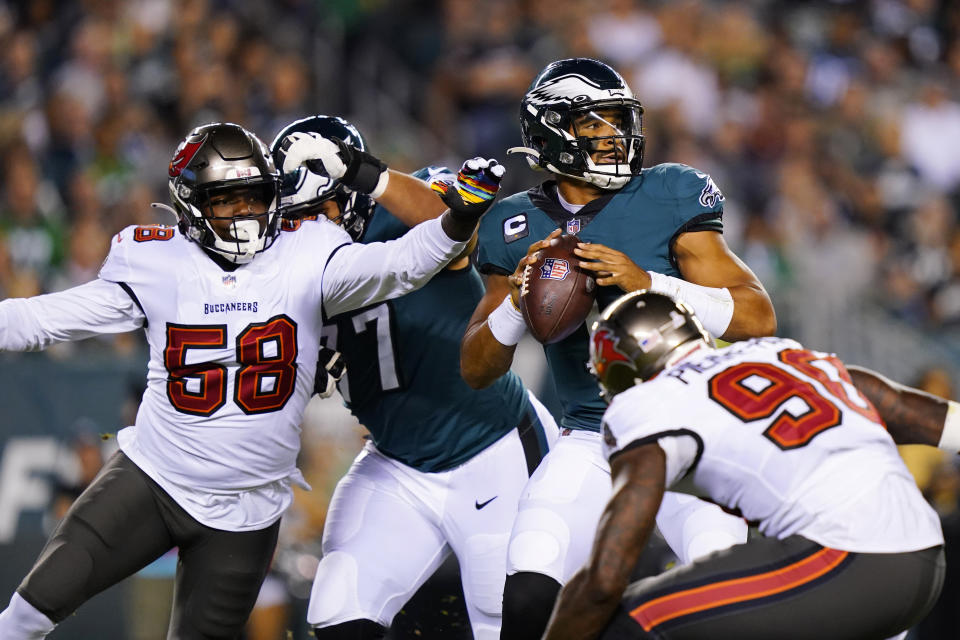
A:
x,y
403,378
643,219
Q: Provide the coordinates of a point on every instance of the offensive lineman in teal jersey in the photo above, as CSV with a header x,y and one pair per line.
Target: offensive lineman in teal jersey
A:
x,y
658,228
446,464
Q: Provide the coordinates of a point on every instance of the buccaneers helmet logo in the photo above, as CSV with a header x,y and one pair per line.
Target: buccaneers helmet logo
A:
x,y
185,152
605,352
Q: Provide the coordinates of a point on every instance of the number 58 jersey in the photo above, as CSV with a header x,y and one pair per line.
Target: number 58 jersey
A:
x,y
780,434
232,359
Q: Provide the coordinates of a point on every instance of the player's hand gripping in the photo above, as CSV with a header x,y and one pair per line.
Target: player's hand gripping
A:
x,y
330,368
474,190
517,277
612,267
355,169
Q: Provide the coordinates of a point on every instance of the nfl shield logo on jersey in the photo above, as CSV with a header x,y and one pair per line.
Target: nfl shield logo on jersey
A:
x,y
230,281
573,226
554,269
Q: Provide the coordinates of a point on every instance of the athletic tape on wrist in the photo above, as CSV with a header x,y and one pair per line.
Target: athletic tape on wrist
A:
x,y
381,185
713,305
950,438
506,323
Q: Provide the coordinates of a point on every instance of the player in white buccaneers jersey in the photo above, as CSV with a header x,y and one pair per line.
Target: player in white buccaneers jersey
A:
x,y
232,310
788,438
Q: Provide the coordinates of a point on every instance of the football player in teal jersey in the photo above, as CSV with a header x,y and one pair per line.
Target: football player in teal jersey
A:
x,y
445,464
657,228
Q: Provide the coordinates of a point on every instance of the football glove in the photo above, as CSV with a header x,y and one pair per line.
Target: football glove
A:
x,y
474,190
355,169
330,368
362,171
320,155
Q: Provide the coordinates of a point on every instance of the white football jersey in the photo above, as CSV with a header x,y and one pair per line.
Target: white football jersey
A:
x,y
232,353
780,434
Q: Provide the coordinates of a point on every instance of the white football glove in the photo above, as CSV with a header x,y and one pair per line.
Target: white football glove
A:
x,y
302,148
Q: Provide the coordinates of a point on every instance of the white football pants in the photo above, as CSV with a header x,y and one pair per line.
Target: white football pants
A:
x,y
561,506
390,526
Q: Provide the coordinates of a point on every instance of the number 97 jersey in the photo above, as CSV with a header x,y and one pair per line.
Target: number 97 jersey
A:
x,y
232,357
780,434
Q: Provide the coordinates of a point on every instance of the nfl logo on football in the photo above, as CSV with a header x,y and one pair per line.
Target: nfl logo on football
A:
x,y
554,269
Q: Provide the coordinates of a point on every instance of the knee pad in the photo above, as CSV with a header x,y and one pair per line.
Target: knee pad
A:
x,y
334,596
352,630
694,528
540,544
528,600
482,572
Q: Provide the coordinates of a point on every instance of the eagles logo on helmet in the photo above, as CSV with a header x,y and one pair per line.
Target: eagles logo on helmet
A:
x,y
304,190
579,119
219,159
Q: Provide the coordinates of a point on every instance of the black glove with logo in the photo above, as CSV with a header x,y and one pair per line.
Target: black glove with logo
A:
x,y
330,368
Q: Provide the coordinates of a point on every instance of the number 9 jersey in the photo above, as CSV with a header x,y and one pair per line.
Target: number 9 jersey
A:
x,y
780,434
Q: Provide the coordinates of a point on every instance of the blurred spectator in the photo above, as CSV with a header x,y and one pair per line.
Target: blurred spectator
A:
x,y
623,33
30,219
945,296
482,77
834,65
931,136
676,76
86,249
82,73
68,144
19,82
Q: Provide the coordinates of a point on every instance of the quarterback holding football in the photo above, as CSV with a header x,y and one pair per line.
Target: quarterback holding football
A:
x,y
659,228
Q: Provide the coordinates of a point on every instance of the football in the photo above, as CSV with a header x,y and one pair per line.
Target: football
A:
x,y
555,294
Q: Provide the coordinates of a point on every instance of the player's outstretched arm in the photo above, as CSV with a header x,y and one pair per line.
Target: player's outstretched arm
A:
x,y
94,308
912,416
496,326
591,596
408,198
357,275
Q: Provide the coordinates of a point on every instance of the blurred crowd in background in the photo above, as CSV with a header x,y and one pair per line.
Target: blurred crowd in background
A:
x,y
833,129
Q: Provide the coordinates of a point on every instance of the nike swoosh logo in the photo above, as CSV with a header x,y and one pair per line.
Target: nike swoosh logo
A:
x,y
481,505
